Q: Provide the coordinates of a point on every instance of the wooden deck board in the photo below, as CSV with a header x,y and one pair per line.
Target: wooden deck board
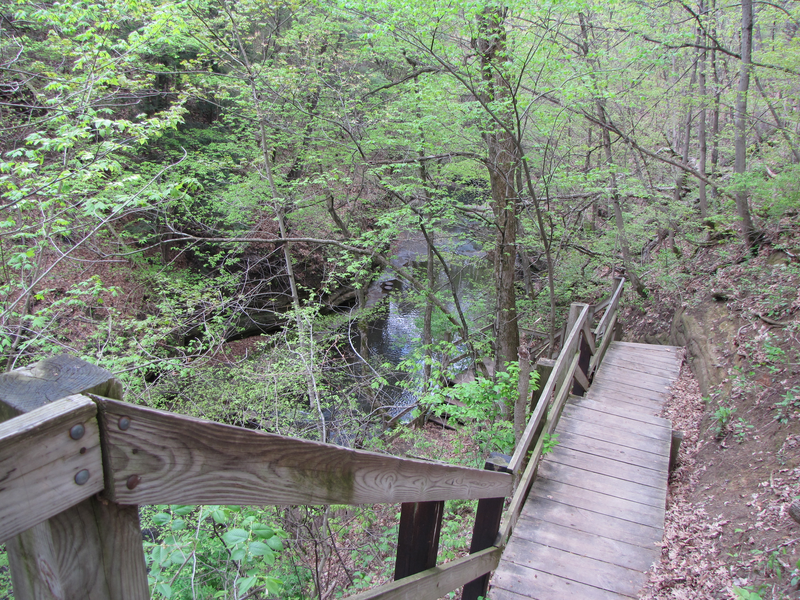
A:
x,y
606,449
622,409
605,389
616,425
590,430
583,569
661,369
612,506
525,582
655,478
594,518
590,544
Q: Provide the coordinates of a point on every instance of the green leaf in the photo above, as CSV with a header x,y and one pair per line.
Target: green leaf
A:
x,y
245,583
162,518
178,524
235,536
262,531
275,543
159,555
259,549
239,554
181,511
219,516
274,586
164,589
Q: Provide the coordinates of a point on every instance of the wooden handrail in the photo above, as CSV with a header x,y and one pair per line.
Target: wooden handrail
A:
x,y
164,458
580,347
156,457
563,360
611,311
42,453
438,581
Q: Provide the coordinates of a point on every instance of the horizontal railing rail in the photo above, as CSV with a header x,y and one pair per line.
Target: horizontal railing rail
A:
x,y
66,435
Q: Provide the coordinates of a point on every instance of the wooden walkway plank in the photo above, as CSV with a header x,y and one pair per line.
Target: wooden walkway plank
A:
x,y
589,430
606,449
641,363
660,369
593,521
668,361
626,403
632,411
638,380
613,468
583,569
523,582
590,544
616,425
603,484
618,418
606,389
612,506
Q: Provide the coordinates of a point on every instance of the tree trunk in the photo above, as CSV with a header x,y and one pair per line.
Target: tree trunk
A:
x,y
702,125
502,160
427,337
717,100
740,140
680,180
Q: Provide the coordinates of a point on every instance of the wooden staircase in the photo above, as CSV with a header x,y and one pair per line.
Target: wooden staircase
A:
x,y
594,518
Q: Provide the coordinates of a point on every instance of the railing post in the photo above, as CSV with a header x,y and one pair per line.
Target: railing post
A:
x,y
487,526
418,538
92,550
544,366
585,356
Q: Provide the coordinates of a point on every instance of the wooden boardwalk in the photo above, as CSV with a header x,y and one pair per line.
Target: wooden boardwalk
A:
x,y
595,515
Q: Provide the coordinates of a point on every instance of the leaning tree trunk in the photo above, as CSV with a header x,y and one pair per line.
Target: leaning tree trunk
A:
x,y
740,141
502,160
702,125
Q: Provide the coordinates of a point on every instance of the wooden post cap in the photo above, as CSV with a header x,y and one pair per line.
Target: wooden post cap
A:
x,y
51,379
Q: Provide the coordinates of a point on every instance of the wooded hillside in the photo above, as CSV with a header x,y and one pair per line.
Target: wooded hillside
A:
x,y
198,195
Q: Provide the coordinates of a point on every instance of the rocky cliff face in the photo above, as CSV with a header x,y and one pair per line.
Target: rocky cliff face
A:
x,y
708,331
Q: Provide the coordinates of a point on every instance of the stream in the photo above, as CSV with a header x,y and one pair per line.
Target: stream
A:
x,y
397,332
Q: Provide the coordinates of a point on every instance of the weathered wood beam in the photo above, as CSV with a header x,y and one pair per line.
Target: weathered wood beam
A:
x,y
544,366
581,382
418,537
92,550
556,377
51,379
603,326
50,460
487,525
438,581
597,359
529,475
156,457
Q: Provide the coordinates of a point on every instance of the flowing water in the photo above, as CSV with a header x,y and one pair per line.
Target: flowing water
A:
x,y
396,333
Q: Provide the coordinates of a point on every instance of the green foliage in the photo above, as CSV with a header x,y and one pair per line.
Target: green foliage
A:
x,y
486,404
550,442
6,590
721,420
786,407
747,593
207,551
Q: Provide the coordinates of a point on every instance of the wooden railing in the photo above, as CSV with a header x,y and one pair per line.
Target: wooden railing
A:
x,y
76,462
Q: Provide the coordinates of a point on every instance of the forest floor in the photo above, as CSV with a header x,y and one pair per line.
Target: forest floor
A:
x,y
728,533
